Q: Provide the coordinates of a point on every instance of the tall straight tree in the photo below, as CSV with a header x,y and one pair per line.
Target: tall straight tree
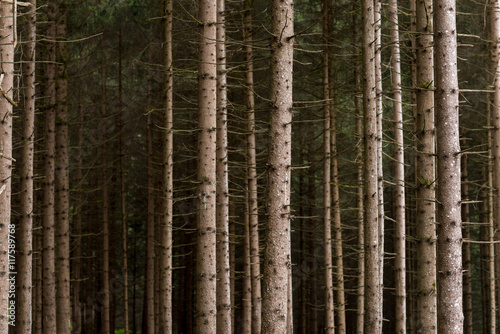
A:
x,y
373,298
449,228
253,210
167,181
7,32
49,280
495,122
105,208
327,190
223,270
399,172
425,170
206,192
62,233
277,256
25,237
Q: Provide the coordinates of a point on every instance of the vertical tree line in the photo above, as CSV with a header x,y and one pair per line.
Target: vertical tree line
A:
x,y
249,167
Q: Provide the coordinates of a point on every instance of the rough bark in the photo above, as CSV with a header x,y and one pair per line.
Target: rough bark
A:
x,y
491,228
277,257
206,192
223,270
252,170
25,234
150,225
337,223
360,291
327,189
62,231
77,263
466,250
167,182
105,209
372,295
246,303
7,229
49,280
495,123
449,228
123,212
399,173
425,170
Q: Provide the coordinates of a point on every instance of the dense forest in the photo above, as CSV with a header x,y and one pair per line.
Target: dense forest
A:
x,y
249,166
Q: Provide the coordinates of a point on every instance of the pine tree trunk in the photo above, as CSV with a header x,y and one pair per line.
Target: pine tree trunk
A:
x,y
327,198
495,123
491,231
252,170
246,303
337,224
7,229
223,269
150,225
399,173
123,212
206,250
380,169
78,222
49,280
371,199
62,232
425,171
105,210
25,231
277,263
466,251
360,291
449,230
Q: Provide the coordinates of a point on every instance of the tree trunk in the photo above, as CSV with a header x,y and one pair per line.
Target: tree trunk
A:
x,y
495,123
466,251
105,209
425,171
252,170
327,198
223,269
380,168
206,250
360,291
399,173
278,262
25,234
449,231
78,222
49,280
123,212
491,227
7,229
337,226
166,323
62,232
371,199
246,302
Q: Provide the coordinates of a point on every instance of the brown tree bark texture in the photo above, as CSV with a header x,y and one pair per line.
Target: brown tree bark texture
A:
x,y
449,228
223,269
166,251
49,281
277,257
25,237
371,200
425,170
206,243
7,54
62,231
